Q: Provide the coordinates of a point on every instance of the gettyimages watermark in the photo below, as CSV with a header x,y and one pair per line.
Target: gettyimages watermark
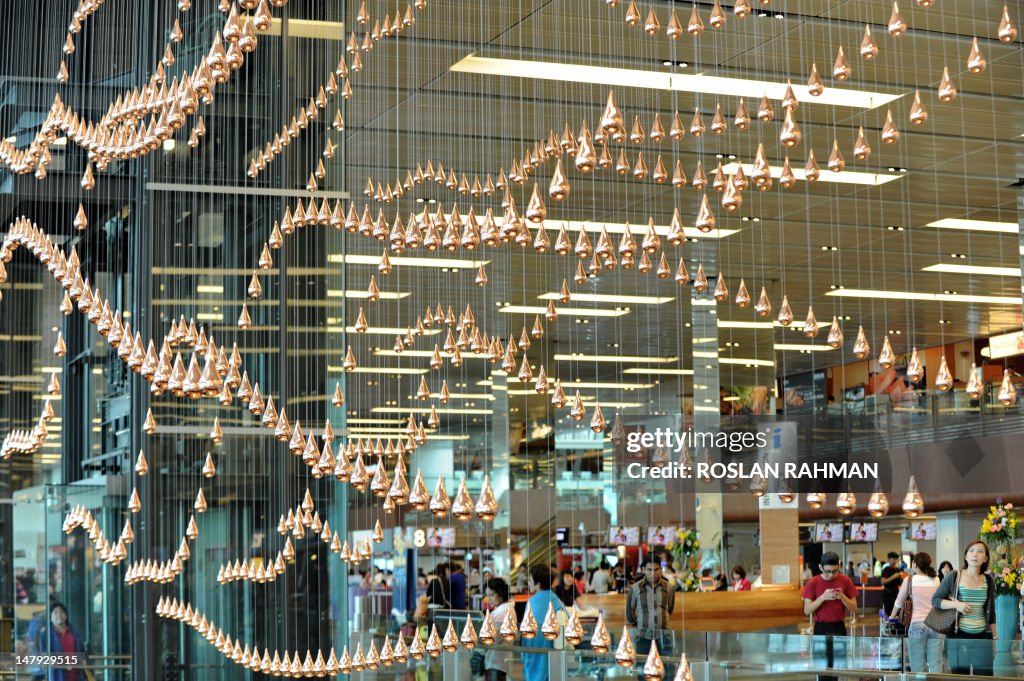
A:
x,y
775,456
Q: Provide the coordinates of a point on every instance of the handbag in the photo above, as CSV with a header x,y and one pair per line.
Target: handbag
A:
x,y
944,621
907,611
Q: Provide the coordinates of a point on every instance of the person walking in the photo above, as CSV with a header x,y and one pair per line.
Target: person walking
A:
x,y
923,643
970,591
827,597
457,581
649,605
536,666
497,662
892,580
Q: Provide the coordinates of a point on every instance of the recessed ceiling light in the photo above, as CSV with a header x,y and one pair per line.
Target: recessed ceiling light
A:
x,y
962,256
635,78
894,228
667,62
830,248
683,64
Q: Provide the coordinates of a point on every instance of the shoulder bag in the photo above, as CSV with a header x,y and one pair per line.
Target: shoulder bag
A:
x,y
907,611
945,621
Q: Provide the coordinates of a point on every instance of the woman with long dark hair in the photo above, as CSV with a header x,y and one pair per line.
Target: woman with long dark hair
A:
x,y
924,644
970,591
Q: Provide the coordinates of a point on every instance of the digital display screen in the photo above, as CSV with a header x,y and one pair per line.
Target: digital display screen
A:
x,y
826,532
628,536
863,532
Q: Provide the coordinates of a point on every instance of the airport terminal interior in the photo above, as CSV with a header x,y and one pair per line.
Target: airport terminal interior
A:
x,y
511,339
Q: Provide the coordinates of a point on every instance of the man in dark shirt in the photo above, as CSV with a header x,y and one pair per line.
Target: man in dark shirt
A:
x,y
458,583
827,597
892,579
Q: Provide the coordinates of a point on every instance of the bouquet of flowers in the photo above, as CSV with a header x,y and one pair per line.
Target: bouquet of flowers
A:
x,y
1000,525
686,552
999,531
1006,568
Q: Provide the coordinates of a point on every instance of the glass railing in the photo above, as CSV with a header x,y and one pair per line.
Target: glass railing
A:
x,y
757,655
880,422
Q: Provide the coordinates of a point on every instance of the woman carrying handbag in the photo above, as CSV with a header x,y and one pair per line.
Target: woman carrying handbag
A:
x,y
970,594
913,604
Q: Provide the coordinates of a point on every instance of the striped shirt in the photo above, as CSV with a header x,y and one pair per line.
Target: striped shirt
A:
x,y
974,621
649,607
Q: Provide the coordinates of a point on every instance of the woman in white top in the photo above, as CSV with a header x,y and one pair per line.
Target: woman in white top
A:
x,y
496,662
924,644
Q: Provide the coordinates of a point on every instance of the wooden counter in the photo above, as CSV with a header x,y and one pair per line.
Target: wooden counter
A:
x,y
715,611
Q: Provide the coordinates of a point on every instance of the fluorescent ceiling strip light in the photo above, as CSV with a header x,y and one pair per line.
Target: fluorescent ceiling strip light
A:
x,y
726,324
384,295
377,370
425,353
652,80
935,297
974,269
975,225
381,330
579,357
406,261
609,298
845,177
658,370
744,362
465,396
609,386
427,410
209,288
210,317
803,347
568,311
703,302
638,229
618,405
383,421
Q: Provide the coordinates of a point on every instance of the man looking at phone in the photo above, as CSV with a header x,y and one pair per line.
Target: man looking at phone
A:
x,y
827,597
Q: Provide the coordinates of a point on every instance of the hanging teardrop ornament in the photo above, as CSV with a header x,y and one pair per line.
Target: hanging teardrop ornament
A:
x,y
765,111
717,19
625,654
913,503
814,85
897,26
763,307
785,316
915,370
835,334
836,162
741,9
886,357
861,348
559,187
811,170
1007,32
943,377
721,292
700,282
528,628
654,668
651,24
946,91
742,118
601,640
1007,394
890,133
705,221
868,48
975,59
695,26
811,323
790,134
841,69
878,503
743,299
861,148
697,124
974,385
718,125
918,114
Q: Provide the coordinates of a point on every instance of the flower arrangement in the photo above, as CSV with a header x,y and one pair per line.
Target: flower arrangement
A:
x,y
1000,525
686,553
1006,568
999,531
